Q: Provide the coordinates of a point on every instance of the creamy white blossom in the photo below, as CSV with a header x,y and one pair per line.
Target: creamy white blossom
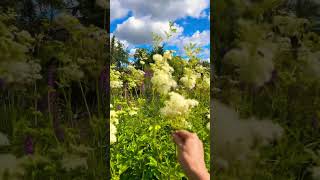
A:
x,y
157,57
208,126
113,132
115,81
177,105
114,117
162,79
135,77
189,78
167,55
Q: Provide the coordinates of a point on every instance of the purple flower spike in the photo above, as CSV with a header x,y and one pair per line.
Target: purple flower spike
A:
x,y
28,145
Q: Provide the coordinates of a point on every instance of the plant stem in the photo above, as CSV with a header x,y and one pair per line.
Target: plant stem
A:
x,y
85,100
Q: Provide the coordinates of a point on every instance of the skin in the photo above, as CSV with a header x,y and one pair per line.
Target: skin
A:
x,y
191,155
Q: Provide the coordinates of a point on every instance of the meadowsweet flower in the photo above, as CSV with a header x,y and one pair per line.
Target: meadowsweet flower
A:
x,y
177,105
190,78
115,81
114,117
167,55
113,132
208,126
142,62
162,79
135,77
239,136
206,82
252,66
200,69
157,57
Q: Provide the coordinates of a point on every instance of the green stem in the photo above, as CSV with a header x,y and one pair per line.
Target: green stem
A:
x,y
85,100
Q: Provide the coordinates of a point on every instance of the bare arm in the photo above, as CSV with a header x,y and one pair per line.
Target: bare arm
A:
x,y
191,155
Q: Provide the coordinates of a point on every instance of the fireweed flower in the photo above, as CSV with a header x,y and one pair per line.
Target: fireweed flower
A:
x,y
162,79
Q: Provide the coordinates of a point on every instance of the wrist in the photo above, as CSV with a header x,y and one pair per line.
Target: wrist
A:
x,y
200,174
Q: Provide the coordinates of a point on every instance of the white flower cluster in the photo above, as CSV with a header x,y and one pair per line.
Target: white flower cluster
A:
x,y
162,79
177,106
167,55
254,61
206,82
115,81
113,122
20,72
239,135
189,78
136,77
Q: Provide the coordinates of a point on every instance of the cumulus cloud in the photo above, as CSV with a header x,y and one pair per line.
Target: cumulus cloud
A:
x,y
139,30
117,10
198,38
160,9
201,39
132,51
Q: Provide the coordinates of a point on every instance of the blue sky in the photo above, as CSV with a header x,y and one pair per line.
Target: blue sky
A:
x,y
132,22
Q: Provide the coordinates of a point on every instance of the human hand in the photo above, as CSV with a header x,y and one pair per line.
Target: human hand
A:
x,y
191,155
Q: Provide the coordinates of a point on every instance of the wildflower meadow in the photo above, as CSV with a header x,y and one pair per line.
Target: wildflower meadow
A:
x,y
152,96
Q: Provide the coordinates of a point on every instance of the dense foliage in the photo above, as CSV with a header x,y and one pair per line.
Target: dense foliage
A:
x,y
150,99
266,89
52,87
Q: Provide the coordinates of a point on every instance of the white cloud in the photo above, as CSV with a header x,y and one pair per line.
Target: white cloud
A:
x,y
139,30
132,51
201,39
198,38
205,53
125,43
159,9
117,10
